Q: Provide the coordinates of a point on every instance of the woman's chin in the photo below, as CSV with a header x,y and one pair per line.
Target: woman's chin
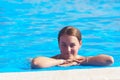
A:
x,y
70,58
67,57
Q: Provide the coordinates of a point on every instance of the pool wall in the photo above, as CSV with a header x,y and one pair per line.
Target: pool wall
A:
x,y
77,74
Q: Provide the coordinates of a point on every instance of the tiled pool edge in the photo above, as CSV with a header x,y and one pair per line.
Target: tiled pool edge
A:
x,y
77,74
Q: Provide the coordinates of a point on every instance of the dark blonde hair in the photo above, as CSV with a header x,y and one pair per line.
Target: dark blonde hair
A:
x,y
70,30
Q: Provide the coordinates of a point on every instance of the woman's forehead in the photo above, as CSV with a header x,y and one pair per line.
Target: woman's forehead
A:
x,y
68,38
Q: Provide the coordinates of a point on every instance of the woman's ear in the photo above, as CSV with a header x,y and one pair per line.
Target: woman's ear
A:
x,y
80,42
59,44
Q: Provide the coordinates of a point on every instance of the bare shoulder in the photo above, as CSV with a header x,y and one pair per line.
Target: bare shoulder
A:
x,y
56,56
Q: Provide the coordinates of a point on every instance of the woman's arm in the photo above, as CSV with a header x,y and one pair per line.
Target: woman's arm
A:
x,y
43,62
100,60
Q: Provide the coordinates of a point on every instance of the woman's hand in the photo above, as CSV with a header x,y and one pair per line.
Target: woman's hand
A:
x,y
72,62
80,60
68,63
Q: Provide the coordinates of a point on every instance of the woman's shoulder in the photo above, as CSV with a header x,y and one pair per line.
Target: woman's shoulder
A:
x,y
56,56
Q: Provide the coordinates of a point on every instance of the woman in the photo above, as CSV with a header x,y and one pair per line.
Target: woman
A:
x,y
69,40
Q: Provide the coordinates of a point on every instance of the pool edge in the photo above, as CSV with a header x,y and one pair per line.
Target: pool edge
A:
x,y
76,74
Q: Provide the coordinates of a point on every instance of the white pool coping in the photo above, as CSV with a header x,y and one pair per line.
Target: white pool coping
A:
x,y
112,73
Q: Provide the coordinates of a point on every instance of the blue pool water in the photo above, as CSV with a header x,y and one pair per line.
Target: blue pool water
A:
x,y
29,28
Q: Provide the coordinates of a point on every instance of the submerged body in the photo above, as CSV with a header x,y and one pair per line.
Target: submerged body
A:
x,y
69,40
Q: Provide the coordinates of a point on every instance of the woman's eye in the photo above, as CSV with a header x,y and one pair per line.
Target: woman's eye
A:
x,y
63,45
72,45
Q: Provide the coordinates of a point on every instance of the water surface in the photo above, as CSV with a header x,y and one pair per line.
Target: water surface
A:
x,y
29,28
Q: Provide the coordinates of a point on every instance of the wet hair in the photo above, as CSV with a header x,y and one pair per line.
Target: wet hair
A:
x,y
70,30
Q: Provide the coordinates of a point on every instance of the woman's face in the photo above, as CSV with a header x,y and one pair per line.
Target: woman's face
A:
x,y
69,46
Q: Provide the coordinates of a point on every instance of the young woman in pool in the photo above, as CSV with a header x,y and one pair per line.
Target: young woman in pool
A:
x,y
69,40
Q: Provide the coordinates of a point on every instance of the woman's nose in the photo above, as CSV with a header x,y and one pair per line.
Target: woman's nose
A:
x,y
68,49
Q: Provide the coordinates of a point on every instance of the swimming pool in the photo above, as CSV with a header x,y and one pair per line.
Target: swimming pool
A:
x,y
29,29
